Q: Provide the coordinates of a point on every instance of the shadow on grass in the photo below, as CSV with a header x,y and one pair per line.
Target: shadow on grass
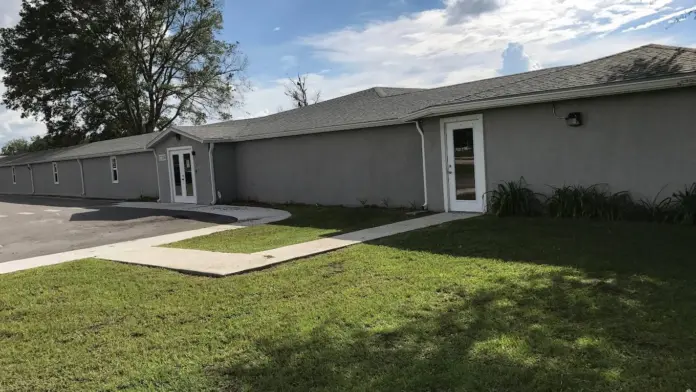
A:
x,y
550,333
611,310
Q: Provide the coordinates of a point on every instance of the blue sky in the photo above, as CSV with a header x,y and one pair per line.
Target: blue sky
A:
x,y
347,46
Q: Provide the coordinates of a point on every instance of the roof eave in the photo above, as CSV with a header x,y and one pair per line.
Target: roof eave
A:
x,y
551,96
310,131
74,158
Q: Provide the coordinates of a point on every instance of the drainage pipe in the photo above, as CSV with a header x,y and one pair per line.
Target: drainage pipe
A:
x,y
211,149
31,173
425,175
82,175
159,190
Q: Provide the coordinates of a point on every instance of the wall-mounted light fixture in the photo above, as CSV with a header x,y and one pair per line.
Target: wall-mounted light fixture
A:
x,y
573,119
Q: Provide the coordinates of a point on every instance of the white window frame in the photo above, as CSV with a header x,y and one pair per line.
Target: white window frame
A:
x,y
113,168
56,177
14,176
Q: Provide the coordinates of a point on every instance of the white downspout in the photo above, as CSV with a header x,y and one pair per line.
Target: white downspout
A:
x,y
425,175
82,176
211,149
159,191
31,173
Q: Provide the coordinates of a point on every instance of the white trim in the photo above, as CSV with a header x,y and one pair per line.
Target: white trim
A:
x,y
425,172
170,130
159,188
586,92
112,160
211,150
56,175
170,162
14,176
82,176
476,122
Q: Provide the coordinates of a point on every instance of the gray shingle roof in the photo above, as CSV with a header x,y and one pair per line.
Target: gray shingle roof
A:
x,y
386,105
383,104
107,147
646,62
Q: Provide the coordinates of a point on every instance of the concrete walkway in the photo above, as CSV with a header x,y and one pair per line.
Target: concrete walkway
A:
x,y
242,213
224,264
247,216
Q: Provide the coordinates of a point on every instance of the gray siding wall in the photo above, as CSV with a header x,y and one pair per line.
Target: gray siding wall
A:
x,y
635,142
23,176
224,159
204,191
335,168
70,181
137,176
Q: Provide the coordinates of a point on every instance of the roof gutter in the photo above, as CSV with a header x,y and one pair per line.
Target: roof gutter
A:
x,y
586,92
425,174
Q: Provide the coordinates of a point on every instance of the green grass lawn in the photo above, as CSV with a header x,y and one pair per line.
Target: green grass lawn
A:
x,y
479,305
306,224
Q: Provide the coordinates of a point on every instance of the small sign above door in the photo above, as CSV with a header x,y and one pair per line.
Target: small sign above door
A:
x,y
162,157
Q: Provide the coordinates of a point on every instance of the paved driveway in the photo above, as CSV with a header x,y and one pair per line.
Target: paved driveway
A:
x,y
37,226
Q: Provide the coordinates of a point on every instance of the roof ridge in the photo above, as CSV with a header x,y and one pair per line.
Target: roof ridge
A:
x,y
536,75
673,47
563,68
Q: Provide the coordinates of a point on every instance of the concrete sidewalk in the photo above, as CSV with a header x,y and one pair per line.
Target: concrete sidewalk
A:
x,y
223,264
246,216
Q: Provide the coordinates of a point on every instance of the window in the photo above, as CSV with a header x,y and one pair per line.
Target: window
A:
x,y
55,173
114,170
14,176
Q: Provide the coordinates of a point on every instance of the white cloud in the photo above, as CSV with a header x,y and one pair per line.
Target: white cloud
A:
x,y
671,18
427,49
12,125
276,29
515,60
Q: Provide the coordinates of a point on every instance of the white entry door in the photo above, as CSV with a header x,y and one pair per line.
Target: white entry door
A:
x,y
182,175
465,164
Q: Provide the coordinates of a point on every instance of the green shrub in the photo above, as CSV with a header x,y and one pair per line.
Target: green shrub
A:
x,y
513,198
593,202
685,205
655,210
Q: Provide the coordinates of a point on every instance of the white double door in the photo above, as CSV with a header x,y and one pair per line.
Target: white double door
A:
x,y
182,175
464,164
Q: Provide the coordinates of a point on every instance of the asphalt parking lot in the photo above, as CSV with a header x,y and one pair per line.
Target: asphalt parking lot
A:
x,y
37,226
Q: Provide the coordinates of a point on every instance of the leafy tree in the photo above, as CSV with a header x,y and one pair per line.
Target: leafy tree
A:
x,y
298,92
15,146
99,69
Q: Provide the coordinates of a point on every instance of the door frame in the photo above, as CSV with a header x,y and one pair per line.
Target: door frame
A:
x,y
476,122
170,168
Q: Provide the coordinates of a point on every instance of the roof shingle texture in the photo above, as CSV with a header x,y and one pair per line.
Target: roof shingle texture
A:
x,y
389,104
113,146
384,104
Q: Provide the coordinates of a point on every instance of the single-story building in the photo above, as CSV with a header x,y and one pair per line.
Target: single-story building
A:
x,y
622,120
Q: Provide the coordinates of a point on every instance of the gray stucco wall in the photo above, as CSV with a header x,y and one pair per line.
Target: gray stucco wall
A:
x,y
70,181
224,159
137,176
23,176
335,168
204,191
635,142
